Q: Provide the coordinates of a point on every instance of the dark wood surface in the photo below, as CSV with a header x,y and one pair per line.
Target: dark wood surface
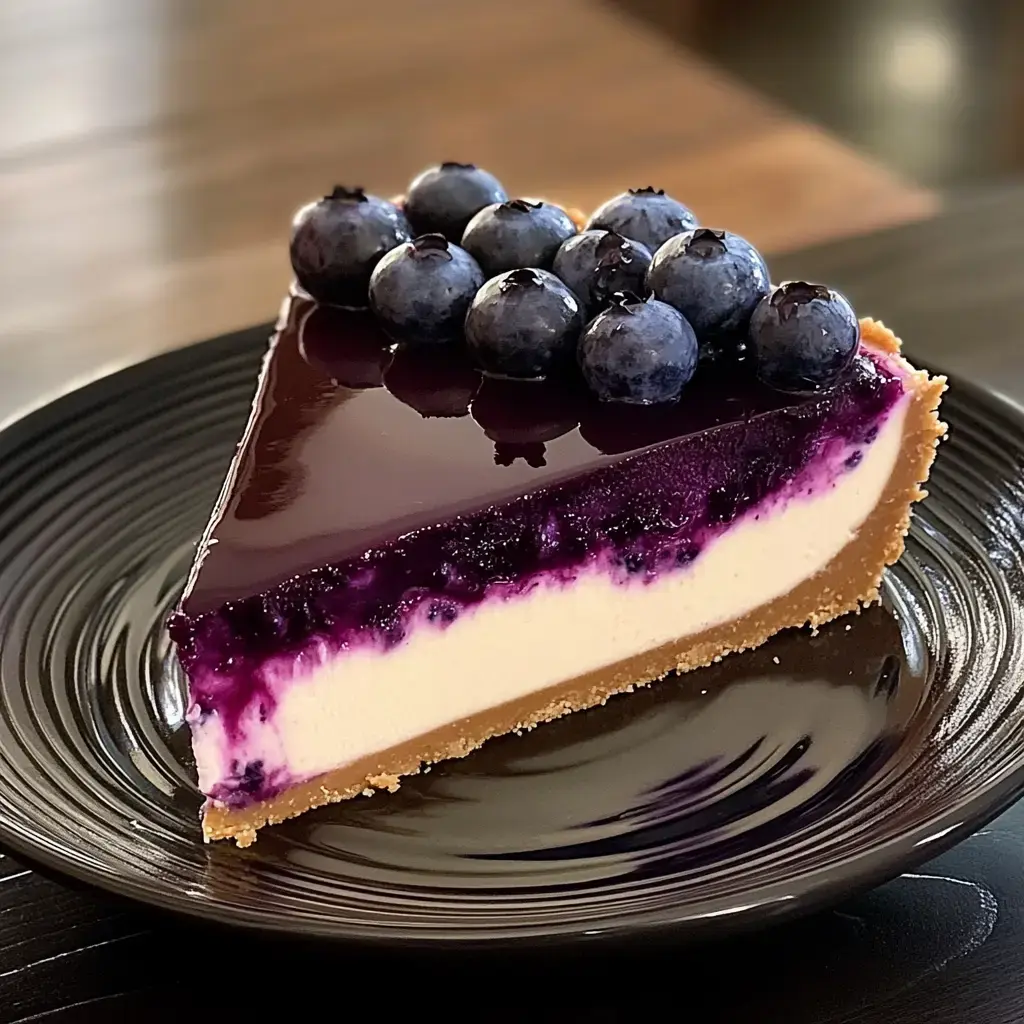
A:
x,y
152,151
931,88
943,944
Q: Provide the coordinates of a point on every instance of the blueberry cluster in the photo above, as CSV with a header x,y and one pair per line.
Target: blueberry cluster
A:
x,y
635,299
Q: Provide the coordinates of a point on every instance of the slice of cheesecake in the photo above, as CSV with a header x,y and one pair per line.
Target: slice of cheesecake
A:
x,y
409,558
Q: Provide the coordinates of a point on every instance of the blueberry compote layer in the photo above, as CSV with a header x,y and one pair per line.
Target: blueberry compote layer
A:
x,y
379,491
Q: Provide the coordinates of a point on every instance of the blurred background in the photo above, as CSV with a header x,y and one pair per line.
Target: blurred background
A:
x,y
152,151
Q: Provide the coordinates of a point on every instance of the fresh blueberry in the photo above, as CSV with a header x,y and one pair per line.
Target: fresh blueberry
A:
x,y
519,233
715,279
638,351
803,337
443,199
524,324
338,240
646,215
421,290
597,264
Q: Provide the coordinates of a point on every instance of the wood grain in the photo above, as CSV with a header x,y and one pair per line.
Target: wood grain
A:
x,y
152,152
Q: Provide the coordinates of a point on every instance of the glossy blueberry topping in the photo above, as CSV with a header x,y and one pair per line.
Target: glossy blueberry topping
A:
x,y
523,324
444,198
523,417
395,519
646,215
637,351
360,362
519,233
338,240
436,382
421,290
714,278
803,337
597,264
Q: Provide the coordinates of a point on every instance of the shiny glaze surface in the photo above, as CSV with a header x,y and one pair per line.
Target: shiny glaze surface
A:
x,y
352,446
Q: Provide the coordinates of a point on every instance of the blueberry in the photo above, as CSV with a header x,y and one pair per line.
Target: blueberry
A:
x,y
421,290
338,240
803,337
646,215
523,323
597,264
520,233
714,278
638,351
443,199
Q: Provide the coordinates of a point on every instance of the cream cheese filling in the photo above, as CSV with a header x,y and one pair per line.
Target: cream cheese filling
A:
x,y
351,705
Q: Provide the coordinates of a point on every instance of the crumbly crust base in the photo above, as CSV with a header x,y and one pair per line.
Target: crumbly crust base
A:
x,y
850,580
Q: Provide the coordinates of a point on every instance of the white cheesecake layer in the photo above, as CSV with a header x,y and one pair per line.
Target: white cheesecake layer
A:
x,y
350,705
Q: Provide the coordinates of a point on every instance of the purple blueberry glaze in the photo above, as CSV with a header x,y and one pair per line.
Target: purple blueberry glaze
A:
x,y
350,518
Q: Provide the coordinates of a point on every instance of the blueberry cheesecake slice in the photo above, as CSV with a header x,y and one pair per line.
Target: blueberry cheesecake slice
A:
x,y
502,465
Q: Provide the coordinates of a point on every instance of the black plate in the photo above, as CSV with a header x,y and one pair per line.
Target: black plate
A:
x,y
763,786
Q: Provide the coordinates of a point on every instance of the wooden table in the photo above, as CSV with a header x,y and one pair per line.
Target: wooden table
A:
x,y
943,944
152,151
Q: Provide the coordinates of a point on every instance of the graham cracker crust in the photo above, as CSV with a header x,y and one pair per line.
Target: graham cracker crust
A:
x,y
851,580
